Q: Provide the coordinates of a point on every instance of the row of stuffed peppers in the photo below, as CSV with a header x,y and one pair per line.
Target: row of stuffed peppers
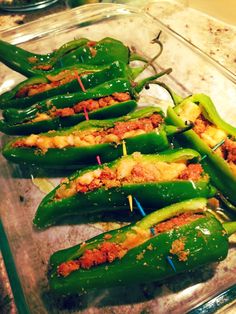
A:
x,y
155,180
114,96
210,135
174,239
69,80
105,63
176,174
64,96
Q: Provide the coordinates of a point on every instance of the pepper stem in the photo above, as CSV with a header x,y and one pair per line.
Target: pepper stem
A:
x,y
227,203
137,57
148,62
177,99
139,85
156,41
172,130
230,227
136,71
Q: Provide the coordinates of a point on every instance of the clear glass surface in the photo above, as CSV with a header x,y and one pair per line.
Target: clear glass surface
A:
x,y
22,6
193,72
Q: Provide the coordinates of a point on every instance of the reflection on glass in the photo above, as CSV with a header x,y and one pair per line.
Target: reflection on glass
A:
x,y
25,5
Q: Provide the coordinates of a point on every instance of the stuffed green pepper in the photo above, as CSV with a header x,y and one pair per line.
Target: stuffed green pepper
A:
x,y
112,98
156,180
214,138
63,81
174,239
143,130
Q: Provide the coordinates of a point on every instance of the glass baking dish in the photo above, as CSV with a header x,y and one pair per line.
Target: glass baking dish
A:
x,y
21,190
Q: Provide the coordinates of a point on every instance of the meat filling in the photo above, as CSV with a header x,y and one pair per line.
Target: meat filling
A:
x,y
191,172
88,105
44,67
133,170
140,173
176,222
91,105
62,78
229,150
210,134
201,124
107,252
120,131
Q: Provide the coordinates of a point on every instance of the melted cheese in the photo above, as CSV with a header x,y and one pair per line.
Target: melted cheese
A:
x,y
189,111
212,136
41,117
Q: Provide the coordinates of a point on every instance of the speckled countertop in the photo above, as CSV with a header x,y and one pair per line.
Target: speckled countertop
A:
x,y
10,19
212,36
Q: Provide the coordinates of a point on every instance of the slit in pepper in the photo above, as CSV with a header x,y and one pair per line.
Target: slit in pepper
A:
x,y
107,252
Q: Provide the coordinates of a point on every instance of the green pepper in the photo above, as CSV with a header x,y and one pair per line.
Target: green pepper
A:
x,y
18,96
154,179
81,51
91,76
142,251
26,121
24,61
220,171
84,152
68,80
105,51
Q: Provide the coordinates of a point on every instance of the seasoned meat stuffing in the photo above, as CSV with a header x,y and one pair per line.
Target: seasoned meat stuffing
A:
x,y
212,136
134,171
120,131
176,222
229,150
107,252
61,78
201,124
192,172
44,67
91,104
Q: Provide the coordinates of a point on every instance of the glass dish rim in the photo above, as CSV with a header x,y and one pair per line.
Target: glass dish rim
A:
x,y
69,19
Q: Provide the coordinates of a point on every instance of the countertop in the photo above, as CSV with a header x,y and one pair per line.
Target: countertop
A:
x,y
214,37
